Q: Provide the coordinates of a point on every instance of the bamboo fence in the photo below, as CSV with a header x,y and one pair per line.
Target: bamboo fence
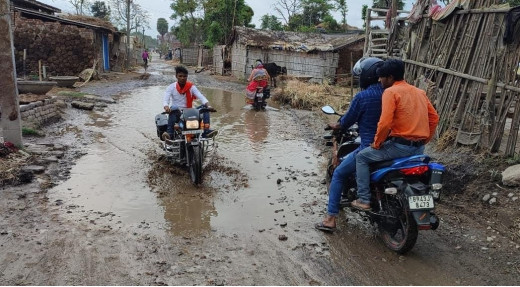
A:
x,y
466,69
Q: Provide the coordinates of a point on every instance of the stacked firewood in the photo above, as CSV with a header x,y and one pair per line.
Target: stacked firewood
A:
x,y
65,50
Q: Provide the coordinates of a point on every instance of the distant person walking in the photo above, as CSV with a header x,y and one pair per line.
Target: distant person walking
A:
x,y
145,57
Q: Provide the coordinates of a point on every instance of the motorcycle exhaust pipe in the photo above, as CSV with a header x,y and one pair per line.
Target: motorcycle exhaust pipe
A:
x,y
434,221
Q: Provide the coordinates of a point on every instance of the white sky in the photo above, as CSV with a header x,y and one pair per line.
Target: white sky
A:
x,y
161,9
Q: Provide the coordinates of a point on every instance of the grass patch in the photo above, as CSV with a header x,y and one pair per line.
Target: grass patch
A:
x,y
71,94
30,132
309,96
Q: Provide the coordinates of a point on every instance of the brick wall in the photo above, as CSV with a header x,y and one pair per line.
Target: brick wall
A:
x,y
40,112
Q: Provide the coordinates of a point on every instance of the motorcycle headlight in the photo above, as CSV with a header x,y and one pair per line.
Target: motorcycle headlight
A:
x,y
192,125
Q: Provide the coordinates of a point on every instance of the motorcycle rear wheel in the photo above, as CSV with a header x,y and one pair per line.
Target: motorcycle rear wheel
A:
x,y
400,236
195,161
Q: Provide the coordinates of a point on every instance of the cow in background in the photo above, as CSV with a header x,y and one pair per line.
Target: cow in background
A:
x,y
274,70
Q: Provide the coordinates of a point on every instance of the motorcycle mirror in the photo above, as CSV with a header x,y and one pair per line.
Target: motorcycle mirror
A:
x,y
328,110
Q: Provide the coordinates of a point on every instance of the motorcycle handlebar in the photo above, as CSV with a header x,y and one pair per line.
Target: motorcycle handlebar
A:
x,y
202,110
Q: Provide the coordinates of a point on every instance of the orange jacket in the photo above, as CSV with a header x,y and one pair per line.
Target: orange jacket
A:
x,y
407,113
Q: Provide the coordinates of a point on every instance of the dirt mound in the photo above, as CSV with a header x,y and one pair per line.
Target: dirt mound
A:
x,y
470,179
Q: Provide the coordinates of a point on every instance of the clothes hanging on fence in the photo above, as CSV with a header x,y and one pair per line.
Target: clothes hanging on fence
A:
x,y
512,18
417,11
438,13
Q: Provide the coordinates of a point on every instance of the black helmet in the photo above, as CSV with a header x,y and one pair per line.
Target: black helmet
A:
x,y
365,69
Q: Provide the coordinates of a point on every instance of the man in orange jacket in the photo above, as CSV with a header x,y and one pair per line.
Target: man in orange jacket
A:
x,y
408,121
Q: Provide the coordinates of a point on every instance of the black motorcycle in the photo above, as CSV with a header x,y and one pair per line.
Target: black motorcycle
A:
x,y
404,192
188,146
261,95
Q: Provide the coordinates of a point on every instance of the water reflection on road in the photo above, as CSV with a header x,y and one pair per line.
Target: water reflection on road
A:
x,y
260,146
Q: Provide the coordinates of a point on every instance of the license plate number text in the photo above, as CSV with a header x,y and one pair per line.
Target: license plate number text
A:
x,y
420,202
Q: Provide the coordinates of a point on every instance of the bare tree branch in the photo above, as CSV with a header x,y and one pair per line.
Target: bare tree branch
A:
x,y
287,8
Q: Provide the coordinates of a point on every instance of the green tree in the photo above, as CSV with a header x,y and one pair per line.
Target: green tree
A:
x,y
315,11
341,6
187,31
270,22
364,10
295,22
330,24
227,14
184,31
100,10
162,27
215,34
513,3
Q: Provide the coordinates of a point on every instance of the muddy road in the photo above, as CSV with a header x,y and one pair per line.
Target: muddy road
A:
x,y
118,213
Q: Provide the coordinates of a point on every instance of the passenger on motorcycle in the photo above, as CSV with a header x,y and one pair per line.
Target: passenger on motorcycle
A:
x,y
258,78
408,121
364,110
180,95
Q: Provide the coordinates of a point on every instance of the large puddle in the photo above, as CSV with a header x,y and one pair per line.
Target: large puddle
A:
x,y
258,178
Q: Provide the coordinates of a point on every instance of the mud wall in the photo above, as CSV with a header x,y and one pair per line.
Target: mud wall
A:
x,y
65,50
321,66
40,112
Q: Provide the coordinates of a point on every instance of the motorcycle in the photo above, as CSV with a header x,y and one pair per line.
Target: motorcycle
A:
x,y
188,146
261,95
403,193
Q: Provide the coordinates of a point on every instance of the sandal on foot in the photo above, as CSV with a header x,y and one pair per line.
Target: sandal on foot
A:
x,y
322,227
360,206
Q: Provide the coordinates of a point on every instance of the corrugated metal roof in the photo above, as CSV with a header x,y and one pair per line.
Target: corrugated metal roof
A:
x,y
302,42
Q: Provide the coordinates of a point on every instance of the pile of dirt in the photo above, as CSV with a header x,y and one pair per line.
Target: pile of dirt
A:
x,y
471,179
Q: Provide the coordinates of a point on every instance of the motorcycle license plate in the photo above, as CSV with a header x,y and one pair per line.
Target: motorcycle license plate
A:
x,y
420,202
192,132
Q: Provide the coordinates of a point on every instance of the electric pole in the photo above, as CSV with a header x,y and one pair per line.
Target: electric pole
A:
x,y
9,107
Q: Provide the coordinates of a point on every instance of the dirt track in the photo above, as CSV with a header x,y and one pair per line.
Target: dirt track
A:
x,y
112,211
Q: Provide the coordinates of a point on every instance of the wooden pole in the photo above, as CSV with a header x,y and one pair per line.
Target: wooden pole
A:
x,y
9,108
40,69
462,75
24,58
367,31
351,77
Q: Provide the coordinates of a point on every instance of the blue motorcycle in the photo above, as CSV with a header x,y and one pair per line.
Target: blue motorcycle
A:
x,y
404,192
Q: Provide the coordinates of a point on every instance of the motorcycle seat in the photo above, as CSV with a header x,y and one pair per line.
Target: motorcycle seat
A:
x,y
381,164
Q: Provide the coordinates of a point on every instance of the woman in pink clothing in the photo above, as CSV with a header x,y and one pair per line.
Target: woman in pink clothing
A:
x,y
259,78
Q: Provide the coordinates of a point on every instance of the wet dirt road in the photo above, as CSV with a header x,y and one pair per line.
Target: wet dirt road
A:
x,y
122,215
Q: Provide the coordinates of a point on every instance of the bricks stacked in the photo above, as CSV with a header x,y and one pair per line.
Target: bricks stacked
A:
x,y
66,50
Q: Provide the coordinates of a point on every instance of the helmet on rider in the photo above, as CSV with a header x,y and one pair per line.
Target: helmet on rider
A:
x,y
365,69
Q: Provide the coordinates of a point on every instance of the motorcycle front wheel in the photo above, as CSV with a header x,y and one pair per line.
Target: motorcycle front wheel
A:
x,y
195,161
399,233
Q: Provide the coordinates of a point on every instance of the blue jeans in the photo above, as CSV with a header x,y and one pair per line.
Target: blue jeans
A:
x,y
341,173
389,150
174,115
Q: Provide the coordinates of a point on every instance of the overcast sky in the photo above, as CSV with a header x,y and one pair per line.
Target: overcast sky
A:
x,y
161,9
